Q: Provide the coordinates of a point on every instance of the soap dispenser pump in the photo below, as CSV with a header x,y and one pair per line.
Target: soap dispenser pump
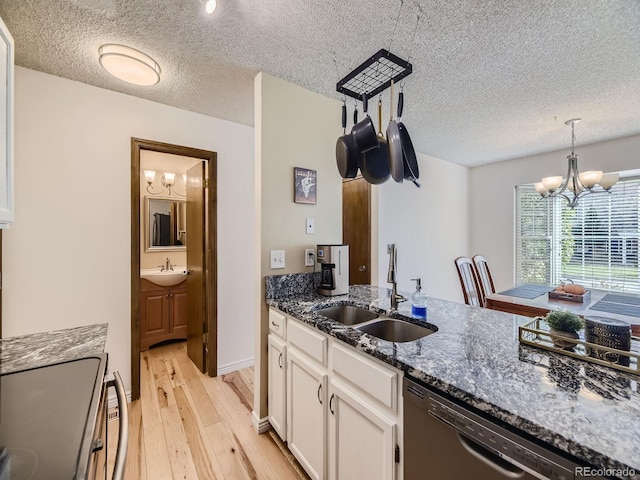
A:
x,y
418,301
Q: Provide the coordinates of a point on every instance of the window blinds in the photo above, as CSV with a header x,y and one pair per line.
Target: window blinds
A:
x,y
596,244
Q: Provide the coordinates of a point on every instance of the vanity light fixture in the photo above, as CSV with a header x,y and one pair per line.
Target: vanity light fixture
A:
x,y
579,184
167,180
129,64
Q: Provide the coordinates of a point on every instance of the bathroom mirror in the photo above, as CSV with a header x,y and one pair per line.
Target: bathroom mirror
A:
x,y
165,224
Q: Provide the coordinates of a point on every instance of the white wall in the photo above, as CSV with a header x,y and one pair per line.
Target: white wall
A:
x,y
429,226
492,195
294,128
67,258
299,128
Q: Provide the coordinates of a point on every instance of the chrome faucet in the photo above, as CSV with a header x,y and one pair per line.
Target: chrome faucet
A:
x,y
391,277
167,265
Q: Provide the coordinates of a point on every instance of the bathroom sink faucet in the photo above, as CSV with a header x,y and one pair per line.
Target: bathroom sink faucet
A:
x,y
167,265
391,277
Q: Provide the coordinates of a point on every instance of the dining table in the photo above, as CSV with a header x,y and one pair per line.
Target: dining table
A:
x,y
533,300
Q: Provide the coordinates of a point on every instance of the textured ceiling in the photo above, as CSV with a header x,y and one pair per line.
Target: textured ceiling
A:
x,y
492,80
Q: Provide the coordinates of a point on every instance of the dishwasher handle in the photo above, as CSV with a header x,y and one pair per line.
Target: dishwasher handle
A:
x,y
123,424
470,446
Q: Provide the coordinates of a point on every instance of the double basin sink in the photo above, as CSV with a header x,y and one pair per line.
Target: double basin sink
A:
x,y
366,321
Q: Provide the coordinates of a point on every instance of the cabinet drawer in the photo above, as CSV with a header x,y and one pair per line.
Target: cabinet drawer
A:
x,y
312,343
277,323
379,382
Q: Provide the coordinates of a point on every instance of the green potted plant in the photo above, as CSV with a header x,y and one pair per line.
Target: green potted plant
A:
x,y
564,324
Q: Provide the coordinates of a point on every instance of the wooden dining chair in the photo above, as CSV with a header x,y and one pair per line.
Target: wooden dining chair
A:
x,y
469,282
484,277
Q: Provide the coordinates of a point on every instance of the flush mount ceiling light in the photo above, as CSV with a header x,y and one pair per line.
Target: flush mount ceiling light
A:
x,y
209,6
129,64
578,184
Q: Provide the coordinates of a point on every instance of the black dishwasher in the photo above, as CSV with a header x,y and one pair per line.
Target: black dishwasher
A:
x,y
53,420
443,439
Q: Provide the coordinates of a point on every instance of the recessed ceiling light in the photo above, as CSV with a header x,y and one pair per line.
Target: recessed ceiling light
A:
x,y
129,64
210,6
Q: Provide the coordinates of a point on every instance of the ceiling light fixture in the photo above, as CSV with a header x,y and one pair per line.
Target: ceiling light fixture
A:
x,y
129,64
210,6
579,184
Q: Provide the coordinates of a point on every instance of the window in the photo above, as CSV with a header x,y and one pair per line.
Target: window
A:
x,y
595,244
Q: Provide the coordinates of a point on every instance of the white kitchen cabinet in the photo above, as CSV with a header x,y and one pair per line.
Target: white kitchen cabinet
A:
x,y
278,385
362,440
6,126
306,412
343,408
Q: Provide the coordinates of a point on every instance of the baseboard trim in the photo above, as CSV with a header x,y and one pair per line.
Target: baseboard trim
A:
x,y
232,367
260,425
112,400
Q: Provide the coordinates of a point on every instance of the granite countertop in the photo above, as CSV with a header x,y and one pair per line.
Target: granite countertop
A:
x,y
39,349
586,410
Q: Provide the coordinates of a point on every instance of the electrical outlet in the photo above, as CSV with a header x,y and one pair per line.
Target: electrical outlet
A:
x,y
311,226
277,259
309,257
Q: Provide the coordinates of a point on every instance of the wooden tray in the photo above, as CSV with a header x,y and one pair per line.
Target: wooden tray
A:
x,y
537,334
571,297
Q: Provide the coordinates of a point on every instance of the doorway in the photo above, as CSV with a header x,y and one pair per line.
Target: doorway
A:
x,y
202,277
356,228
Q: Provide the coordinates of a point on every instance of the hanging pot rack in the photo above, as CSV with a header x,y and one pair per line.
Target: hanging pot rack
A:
x,y
374,75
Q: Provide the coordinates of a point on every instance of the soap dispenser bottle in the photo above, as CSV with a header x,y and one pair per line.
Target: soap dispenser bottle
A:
x,y
418,301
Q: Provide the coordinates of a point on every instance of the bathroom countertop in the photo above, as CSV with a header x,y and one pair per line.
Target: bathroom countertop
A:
x,y
39,349
585,410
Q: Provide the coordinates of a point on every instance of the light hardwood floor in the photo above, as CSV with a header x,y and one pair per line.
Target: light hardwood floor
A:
x,y
190,426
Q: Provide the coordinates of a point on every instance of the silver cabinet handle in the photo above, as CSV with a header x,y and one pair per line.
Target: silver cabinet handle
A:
x,y
123,434
331,404
319,390
362,268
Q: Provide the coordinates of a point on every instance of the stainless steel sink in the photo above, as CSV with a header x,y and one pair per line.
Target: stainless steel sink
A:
x,y
348,314
395,330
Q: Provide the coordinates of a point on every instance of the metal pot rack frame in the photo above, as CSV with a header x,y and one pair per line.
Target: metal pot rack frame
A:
x,y
537,334
374,75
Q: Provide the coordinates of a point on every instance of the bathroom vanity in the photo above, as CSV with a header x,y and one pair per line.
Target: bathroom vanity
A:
x,y
163,313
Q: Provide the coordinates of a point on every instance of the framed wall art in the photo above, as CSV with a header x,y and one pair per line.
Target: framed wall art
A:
x,y
304,185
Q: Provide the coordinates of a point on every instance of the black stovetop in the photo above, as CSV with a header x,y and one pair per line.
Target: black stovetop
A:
x,y
44,413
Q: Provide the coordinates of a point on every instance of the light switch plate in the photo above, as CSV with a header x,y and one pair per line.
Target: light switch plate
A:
x,y
311,226
277,259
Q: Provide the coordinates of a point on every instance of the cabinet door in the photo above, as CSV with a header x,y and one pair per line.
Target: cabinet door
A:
x,y
154,313
277,385
179,312
362,441
306,413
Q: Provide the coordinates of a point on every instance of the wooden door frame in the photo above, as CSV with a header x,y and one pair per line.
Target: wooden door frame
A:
x,y
211,261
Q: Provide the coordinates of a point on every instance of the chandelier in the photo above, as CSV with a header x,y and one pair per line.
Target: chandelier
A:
x,y
578,184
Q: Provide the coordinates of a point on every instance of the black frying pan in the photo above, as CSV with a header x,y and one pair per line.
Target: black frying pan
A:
x,y
411,171
374,164
346,150
394,146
